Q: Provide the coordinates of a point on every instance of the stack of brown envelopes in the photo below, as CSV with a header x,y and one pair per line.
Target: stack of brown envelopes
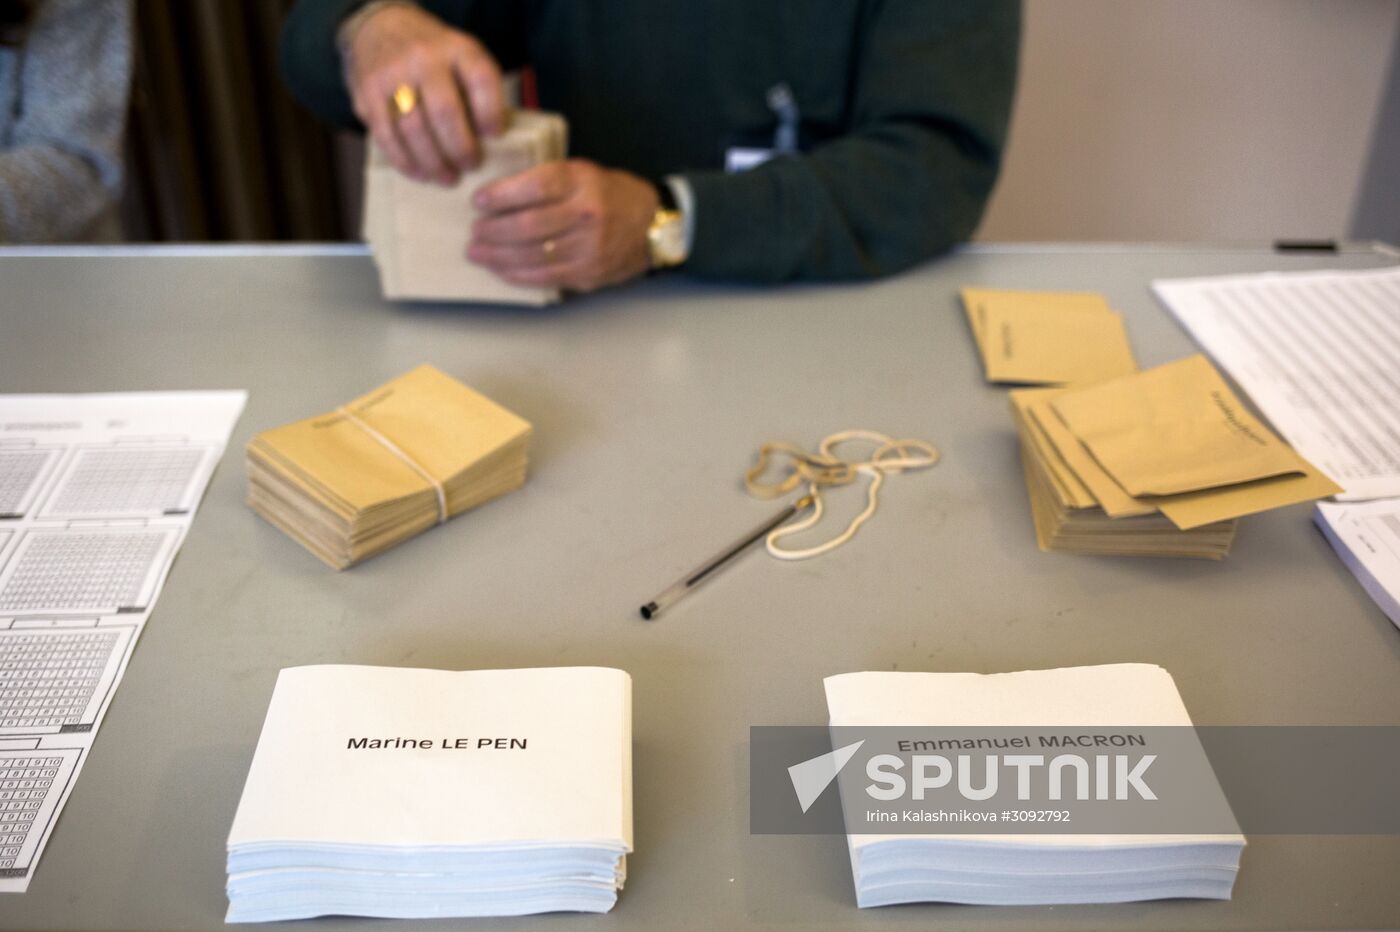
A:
x,y
1157,463
418,231
391,464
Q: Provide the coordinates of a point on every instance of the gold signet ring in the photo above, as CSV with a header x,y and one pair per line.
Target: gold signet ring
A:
x,y
405,99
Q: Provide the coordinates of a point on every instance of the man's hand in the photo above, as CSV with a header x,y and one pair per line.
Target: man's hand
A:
x,y
570,224
456,81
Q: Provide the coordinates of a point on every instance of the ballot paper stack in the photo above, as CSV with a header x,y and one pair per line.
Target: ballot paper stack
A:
x,y
389,792
1158,463
1024,869
391,464
418,231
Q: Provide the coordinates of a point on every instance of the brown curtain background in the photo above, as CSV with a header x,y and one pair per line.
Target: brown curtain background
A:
x,y
216,147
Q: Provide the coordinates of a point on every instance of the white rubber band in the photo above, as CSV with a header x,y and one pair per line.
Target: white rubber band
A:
x,y
387,444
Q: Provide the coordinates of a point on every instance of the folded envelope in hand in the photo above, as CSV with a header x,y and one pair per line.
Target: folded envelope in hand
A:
x,y
1061,338
418,231
1175,428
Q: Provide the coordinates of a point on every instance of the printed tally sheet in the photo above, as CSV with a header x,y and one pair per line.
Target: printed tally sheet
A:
x,y
96,493
1319,353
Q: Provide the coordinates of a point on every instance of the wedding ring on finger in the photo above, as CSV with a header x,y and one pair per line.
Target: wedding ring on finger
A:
x,y
549,247
405,99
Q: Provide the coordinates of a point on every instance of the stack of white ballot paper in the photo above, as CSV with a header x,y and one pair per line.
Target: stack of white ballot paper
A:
x,y
1024,869
418,231
389,792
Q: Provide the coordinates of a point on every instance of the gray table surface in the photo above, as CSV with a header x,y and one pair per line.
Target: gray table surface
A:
x,y
648,403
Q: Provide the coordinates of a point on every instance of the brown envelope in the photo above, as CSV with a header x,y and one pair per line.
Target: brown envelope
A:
x,y
1194,509
976,301
436,421
1070,487
1071,461
1175,428
1046,337
1111,497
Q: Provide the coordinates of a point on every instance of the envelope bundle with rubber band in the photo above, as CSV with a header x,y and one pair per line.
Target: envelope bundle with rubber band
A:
x,y
414,452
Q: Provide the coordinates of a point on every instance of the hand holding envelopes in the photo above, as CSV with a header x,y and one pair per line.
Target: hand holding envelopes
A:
x,y
391,464
1047,338
419,231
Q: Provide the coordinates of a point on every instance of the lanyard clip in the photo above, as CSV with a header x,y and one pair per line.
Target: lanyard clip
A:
x,y
784,107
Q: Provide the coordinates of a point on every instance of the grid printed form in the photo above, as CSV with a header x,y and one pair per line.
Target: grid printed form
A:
x,y
25,781
81,570
127,481
49,678
19,469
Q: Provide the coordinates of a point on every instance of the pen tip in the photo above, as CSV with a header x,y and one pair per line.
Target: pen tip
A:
x,y
648,610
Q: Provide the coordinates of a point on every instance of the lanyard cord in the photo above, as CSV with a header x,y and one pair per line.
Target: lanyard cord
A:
x,y
825,468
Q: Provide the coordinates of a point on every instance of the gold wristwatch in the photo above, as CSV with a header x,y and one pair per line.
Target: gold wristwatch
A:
x,y
666,235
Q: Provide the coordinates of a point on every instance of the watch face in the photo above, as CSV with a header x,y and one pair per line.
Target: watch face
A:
x,y
667,238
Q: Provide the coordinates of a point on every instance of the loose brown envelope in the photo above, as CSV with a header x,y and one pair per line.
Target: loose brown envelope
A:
x,y
438,422
1175,428
1061,338
1071,488
1193,509
1186,510
1115,502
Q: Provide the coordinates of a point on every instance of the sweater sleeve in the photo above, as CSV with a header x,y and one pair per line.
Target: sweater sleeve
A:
x,y
931,102
62,165
311,63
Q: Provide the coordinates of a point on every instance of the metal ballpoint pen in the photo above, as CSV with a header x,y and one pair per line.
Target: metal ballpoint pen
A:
x,y
695,577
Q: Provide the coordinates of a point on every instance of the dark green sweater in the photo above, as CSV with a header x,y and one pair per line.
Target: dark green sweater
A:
x,y
904,107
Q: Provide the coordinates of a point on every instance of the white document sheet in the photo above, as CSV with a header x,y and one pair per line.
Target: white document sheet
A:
x,y
1367,538
96,494
1319,353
